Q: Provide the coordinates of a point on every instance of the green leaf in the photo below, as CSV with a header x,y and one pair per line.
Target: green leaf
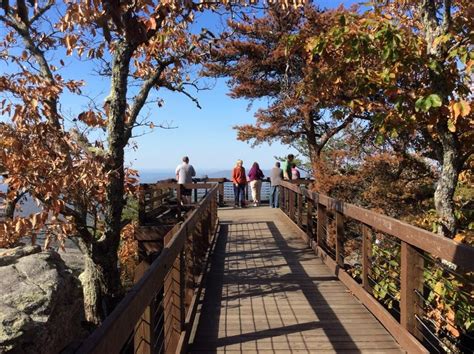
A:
x,y
379,139
435,100
342,20
394,135
419,103
434,65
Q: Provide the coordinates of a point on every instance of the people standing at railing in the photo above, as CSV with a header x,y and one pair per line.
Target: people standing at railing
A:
x,y
184,174
255,181
287,167
276,176
239,180
295,174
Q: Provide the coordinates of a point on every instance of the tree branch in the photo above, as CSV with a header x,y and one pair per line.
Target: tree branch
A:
x,y
141,97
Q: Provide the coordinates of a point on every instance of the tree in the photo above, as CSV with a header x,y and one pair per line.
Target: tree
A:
x,y
81,184
267,58
410,89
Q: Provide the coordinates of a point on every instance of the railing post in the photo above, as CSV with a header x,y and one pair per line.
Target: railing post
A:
x,y
195,192
292,204
178,196
322,223
299,202
143,336
172,302
366,255
182,288
221,193
340,239
309,218
141,205
281,190
411,280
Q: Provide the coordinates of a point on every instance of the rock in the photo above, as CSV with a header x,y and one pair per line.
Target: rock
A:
x,y
41,304
9,255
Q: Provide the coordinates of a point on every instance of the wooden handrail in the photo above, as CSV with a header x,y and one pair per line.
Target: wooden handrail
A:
x,y
113,334
438,246
415,246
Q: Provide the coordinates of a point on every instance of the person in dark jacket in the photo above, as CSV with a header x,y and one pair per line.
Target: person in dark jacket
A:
x,y
255,182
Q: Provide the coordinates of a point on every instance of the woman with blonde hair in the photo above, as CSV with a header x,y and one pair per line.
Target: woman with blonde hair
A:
x,y
239,180
255,182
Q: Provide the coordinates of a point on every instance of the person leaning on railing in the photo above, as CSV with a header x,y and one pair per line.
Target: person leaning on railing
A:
x,y
287,167
239,180
255,182
184,174
276,176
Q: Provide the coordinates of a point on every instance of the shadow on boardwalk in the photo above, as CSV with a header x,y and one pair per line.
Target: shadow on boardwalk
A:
x,y
266,292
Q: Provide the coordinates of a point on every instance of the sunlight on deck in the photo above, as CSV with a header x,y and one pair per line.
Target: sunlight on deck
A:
x,y
267,292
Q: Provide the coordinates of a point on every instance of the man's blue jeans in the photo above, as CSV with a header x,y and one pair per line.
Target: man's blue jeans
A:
x,y
274,197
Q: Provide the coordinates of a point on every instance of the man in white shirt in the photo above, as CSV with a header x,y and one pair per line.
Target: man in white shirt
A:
x,y
184,174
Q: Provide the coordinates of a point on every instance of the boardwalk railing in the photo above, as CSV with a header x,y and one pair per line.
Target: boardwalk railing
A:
x,y
165,189
157,314
418,284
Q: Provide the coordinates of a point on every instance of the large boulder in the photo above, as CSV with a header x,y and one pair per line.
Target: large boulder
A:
x,y
41,304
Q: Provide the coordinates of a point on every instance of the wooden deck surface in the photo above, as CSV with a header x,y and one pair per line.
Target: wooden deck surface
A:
x,y
267,292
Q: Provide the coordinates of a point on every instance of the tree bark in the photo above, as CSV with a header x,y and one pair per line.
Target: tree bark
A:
x,y
449,154
114,201
444,193
91,280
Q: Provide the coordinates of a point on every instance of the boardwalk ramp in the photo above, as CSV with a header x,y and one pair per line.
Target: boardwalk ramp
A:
x,y
267,292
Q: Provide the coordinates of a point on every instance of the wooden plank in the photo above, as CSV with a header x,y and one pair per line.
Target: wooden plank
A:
x,y
321,225
142,337
309,218
340,239
299,202
291,207
411,280
366,255
172,302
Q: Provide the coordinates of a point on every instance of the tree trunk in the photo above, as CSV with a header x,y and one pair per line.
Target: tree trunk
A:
x,y
92,279
449,158
107,258
447,182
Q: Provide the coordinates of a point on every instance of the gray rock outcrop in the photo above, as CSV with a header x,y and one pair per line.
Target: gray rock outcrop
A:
x,y
41,304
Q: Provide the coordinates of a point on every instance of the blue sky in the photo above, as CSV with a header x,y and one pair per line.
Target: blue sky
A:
x,y
206,134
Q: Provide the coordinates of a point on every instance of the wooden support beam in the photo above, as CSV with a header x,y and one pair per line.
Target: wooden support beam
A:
x,y
182,288
322,222
366,255
309,218
291,200
143,334
299,203
281,190
411,280
340,239
221,193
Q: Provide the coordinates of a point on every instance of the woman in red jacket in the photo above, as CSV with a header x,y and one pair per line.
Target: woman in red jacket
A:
x,y
239,180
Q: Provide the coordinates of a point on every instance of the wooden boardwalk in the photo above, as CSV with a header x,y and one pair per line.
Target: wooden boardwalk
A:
x,y
267,292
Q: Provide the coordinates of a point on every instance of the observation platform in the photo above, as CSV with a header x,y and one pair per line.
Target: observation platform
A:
x,y
267,292
261,280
